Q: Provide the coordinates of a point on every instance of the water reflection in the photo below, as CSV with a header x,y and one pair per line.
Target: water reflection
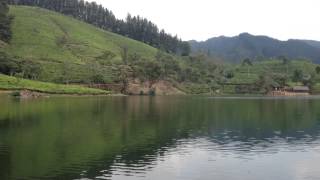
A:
x,y
159,138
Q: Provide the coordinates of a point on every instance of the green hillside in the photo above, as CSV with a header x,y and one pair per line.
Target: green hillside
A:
x,y
274,69
270,67
53,40
51,47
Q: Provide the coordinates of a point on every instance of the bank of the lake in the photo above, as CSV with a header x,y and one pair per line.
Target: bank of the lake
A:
x,y
9,83
31,88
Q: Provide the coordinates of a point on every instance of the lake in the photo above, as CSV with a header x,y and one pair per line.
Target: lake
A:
x,y
171,138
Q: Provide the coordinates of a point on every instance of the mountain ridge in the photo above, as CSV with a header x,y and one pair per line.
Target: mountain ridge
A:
x,y
236,48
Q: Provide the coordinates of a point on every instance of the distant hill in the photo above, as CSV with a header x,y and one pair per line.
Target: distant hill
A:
x,y
312,43
235,49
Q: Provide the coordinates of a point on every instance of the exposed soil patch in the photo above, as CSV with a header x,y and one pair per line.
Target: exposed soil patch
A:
x,y
26,94
161,87
2,44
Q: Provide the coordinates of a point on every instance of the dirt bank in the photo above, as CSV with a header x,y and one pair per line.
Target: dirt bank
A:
x,y
2,44
26,94
5,92
136,87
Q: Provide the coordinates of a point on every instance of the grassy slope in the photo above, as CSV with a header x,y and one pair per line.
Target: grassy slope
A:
x,y
51,38
270,66
12,83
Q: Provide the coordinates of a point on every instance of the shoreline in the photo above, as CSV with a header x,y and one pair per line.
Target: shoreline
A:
x,y
5,91
37,94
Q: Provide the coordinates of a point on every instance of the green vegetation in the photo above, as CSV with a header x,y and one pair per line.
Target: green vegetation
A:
x,y
273,73
5,22
59,44
64,50
61,49
13,83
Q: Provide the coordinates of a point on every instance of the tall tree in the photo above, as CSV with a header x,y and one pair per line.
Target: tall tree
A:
x,y
5,22
247,62
185,49
285,61
297,76
318,69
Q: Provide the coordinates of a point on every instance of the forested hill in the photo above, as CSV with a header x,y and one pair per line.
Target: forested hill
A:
x,y
135,27
312,43
235,49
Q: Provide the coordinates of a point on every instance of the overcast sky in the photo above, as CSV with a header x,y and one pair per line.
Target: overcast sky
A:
x,y
202,19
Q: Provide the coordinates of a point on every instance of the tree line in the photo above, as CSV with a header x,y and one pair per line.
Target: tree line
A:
x,y
5,21
135,27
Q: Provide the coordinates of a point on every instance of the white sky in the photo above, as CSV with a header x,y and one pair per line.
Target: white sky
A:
x,y
203,19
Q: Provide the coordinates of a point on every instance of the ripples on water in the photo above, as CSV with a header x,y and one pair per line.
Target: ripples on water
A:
x,y
160,138
213,150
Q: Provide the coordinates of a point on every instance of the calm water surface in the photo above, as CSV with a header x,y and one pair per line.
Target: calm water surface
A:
x,y
160,138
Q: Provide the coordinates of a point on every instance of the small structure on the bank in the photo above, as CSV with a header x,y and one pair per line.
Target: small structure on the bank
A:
x,y
301,89
291,91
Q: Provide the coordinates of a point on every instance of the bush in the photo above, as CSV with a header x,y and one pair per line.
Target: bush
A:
x,y
229,74
97,79
106,55
8,66
30,69
153,70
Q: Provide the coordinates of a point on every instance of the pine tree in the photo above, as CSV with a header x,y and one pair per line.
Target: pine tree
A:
x,y
5,22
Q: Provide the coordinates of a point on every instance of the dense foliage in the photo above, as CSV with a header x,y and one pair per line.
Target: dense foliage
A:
x,y
134,27
5,21
20,68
